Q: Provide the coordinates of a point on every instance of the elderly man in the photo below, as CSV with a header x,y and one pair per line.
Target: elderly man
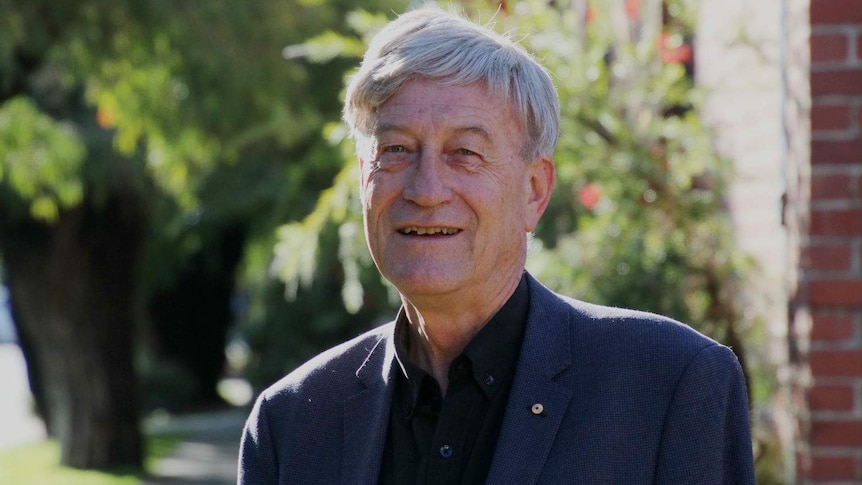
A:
x,y
486,376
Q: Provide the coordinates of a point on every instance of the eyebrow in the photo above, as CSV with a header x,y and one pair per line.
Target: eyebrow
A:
x,y
478,130
386,128
380,128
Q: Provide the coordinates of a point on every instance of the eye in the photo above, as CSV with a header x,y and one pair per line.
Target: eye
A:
x,y
392,157
465,159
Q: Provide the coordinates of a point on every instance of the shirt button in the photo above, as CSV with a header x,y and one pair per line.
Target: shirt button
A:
x,y
446,451
489,380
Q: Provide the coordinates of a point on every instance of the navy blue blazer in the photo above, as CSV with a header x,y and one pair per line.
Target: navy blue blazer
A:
x,y
626,398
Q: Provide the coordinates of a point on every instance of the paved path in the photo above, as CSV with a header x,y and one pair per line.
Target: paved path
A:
x,y
208,453
18,424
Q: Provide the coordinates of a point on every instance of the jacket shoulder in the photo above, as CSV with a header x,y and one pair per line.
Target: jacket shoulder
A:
x,y
334,370
605,337
303,414
636,326
621,325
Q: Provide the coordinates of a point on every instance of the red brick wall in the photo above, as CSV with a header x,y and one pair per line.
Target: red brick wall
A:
x,y
830,272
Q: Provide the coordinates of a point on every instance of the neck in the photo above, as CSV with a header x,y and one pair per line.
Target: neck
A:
x,y
440,331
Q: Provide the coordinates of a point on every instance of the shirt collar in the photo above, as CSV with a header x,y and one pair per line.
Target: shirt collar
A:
x,y
493,352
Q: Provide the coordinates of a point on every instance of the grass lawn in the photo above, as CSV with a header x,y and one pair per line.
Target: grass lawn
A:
x,y
37,464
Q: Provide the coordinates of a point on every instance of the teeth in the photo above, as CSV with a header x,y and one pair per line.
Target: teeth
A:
x,y
428,230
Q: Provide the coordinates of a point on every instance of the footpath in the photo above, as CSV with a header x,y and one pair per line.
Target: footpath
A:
x,y
18,424
208,453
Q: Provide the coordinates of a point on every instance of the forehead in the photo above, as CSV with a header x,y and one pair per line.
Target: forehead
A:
x,y
424,103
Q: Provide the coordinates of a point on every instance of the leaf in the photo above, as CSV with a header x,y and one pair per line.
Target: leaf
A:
x,y
324,48
40,158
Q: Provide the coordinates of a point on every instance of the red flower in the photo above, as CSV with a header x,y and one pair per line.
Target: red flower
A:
x,y
105,118
672,50
590,195
633,8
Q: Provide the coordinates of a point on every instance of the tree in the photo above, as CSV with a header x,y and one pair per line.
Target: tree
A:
x,y
118,123
69,255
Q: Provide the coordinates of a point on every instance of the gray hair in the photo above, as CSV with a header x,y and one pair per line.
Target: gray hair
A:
x,y
435,44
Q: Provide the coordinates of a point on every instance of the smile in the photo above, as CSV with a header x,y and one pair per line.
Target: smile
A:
x,y
429,231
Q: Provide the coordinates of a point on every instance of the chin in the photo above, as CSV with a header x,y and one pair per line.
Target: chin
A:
x,y
424,283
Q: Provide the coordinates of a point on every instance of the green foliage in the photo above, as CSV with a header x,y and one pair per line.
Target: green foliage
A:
x,y
297,253
194,111
190,87
283,334
322,255
637,218
225,128
298,248
330,45
39,158
244,139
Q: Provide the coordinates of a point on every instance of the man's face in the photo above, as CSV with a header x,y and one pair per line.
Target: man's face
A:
x,y
447,196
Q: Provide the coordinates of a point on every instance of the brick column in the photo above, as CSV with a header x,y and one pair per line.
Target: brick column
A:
x,y
828,301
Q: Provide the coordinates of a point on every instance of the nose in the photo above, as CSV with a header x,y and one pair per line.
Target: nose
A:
x,y
426,184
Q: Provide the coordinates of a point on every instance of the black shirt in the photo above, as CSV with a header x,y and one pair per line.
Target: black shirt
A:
x,y
436,439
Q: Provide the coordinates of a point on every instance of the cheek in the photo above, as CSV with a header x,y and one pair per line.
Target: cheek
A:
x,y
369,206
367,199
376,197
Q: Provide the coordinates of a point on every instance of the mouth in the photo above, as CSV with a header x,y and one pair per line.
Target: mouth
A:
x,y
428,231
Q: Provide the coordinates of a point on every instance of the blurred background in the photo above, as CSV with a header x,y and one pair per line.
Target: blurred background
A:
x,y
179,222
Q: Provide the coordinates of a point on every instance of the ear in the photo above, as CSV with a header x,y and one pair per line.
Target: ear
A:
x,y
541,183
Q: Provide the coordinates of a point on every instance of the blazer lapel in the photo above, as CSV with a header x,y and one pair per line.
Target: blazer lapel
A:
x,y
366,417
537,404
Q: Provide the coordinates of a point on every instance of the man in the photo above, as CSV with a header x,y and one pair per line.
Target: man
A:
x,y
486,376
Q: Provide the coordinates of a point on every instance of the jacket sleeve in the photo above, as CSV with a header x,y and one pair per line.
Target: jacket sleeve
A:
x,y
258,464
706,438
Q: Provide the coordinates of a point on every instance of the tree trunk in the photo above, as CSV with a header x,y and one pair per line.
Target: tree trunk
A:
x,y
72,284
191,318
